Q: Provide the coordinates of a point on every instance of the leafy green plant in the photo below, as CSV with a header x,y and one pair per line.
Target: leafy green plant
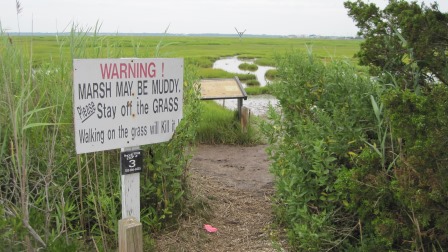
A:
x,y
326,112
418,174
359,161
410,115
421,27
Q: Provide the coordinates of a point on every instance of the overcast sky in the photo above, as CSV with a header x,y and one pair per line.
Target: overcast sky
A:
x,y
275,17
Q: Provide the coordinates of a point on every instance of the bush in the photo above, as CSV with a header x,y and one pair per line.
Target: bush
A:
x,y
420,125
404,199
405,44
325,112
359,165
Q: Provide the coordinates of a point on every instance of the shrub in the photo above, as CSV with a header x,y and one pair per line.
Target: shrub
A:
x,y
360,165
326,112
420,125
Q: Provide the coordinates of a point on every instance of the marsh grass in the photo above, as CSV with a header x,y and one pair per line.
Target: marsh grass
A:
x,y
252,83
246,77
271,74
32,117
265,62
248,67
257,90
52,199
209,73
199,51
219,125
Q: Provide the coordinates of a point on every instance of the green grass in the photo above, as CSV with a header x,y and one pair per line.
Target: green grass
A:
x,y
271,74
207,73
48,189
198,51
258,90
219,125
246,77
45,185
248,67
214,73
265,62
201,51
252,83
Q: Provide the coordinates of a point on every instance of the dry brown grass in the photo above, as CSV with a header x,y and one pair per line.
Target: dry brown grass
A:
x,y
243,218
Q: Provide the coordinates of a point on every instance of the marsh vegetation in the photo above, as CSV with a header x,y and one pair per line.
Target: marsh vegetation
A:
x,y
360,163
52,198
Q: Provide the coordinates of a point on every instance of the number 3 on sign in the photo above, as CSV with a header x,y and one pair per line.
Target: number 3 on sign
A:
x,y
131,161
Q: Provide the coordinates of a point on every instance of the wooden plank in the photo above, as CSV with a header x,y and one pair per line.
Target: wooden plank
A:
x,y
130,229
130,235
245,118
130,196
240,106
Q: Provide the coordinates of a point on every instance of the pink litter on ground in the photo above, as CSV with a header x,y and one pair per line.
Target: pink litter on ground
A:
x,y
210,229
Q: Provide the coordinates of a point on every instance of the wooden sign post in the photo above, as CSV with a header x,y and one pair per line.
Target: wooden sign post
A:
x,y
130,237
131,166
130,228
126,103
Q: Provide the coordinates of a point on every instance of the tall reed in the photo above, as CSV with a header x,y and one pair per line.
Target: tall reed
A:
x,y
30,123
50,197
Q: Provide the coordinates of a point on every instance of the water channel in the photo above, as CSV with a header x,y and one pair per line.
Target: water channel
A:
x,y
231,64
258,104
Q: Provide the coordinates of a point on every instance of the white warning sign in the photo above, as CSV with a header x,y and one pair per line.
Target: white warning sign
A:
x,y
122,103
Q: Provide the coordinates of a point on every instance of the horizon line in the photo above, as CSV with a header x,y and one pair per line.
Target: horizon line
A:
x,y
186,34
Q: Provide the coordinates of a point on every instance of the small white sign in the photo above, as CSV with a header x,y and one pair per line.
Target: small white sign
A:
x,y
121,103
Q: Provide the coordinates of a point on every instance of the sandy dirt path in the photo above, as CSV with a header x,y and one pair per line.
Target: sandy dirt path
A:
x,y
231,188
